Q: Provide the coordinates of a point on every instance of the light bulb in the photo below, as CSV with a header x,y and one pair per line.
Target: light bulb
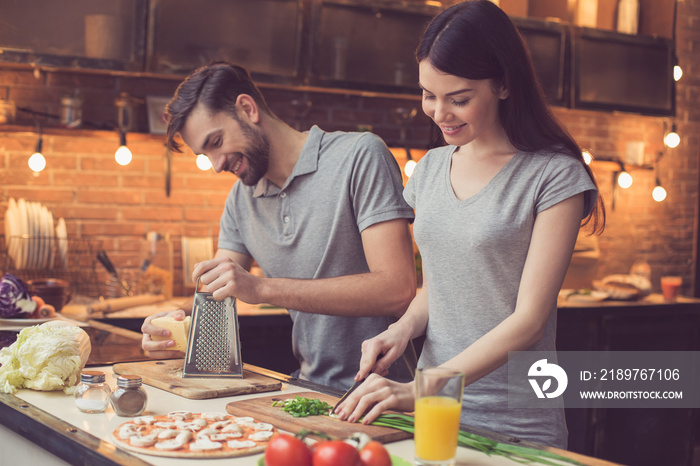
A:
x,y
409,167
587,157
677,73
203,162
123,155
672,139
37,162
658,193
624,180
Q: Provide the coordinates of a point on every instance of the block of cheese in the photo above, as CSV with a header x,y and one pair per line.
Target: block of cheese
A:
x,y
179,331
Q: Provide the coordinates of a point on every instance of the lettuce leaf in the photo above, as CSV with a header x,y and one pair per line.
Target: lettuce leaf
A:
x,y
45,357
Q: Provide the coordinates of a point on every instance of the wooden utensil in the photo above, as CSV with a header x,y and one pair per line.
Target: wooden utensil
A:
x,y
262,410
167,375
85,311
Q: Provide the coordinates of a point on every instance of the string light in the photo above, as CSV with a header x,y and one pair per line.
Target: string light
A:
x,y
37,161
624,179
587,157
203,162
658,193
672,139
677,73
410,164
123,154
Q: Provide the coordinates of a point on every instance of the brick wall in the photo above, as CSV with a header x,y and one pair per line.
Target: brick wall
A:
x,y
119,205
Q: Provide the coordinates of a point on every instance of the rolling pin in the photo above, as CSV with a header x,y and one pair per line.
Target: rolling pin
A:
x,y
118,304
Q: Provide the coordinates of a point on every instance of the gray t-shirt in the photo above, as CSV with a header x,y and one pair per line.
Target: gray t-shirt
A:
x,y
311,228
474,252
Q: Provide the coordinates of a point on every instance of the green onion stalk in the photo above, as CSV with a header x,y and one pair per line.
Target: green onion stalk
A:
x,y
523,455
303,407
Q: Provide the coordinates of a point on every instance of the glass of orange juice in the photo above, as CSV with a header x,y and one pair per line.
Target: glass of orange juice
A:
x,y
438,408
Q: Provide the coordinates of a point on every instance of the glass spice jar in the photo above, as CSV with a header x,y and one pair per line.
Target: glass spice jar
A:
x,y
92,394
129,397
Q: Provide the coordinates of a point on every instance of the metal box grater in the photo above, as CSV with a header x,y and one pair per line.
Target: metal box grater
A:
x,y
213,346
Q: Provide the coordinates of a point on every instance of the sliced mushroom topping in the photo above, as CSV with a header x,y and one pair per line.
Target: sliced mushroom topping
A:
x,y
261,436
220,424
204,443
225,436
145,440
145,420
243,420
175,444
214,416
232,428
235,444
180,415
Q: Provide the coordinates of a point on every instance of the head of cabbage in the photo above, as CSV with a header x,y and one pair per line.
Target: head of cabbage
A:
x,y
45,357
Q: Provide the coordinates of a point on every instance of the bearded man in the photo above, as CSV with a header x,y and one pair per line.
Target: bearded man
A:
x,y
321,213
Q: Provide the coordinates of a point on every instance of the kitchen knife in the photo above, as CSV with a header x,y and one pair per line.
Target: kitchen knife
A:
x,y
352,389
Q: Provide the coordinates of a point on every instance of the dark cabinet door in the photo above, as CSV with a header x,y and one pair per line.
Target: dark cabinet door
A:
x,y
74,33
640,437
262,35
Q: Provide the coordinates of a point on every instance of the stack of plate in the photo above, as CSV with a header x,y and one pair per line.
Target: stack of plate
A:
x,y
32,242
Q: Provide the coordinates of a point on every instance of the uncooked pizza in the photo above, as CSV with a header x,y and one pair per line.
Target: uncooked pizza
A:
x,y
183,434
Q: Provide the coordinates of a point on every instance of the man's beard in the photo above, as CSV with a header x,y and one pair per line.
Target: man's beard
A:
x,y
256,155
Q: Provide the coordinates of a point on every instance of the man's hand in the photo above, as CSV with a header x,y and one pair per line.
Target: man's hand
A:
x,y
224,277
159,349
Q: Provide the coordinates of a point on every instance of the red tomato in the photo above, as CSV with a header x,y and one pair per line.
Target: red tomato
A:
x,y
287,450
336,453
374,454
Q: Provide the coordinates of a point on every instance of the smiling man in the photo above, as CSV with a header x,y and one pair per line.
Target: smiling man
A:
x,y
321,213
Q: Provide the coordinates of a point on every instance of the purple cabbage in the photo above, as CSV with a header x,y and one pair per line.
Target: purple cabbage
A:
x,y
15,301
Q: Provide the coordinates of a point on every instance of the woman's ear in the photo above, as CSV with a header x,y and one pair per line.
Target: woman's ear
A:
x,y
248,105
499,89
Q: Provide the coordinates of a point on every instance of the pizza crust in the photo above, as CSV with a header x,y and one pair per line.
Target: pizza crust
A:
x,y
202,435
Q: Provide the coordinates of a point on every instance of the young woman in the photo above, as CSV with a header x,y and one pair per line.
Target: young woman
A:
x,y
498,210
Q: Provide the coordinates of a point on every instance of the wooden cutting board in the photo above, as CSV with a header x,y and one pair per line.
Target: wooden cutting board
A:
x,y
262,410
167,375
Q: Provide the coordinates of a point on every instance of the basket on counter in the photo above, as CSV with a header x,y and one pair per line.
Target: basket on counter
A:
x,y
69,259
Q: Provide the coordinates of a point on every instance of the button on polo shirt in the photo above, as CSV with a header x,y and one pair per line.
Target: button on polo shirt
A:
x,y
289,198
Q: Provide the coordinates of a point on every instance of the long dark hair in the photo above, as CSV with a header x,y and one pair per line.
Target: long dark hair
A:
x,y
216,86
475,39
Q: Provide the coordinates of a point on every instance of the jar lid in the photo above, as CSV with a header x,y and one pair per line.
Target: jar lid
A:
x,y
92,376
126,381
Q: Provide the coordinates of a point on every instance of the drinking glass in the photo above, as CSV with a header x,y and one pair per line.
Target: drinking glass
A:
x,y
670,287
438,408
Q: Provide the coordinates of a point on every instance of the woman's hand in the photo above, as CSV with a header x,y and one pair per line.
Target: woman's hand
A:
x,y
159,349
380,352
374,396
225,277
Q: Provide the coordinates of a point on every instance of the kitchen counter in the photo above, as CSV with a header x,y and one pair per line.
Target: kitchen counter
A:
x,y
51,420
652,301
649,324
31,419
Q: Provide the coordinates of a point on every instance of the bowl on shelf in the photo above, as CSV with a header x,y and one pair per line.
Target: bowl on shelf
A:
x,y
53,291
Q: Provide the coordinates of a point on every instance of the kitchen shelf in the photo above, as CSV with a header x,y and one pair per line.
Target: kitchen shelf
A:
x,y
330,46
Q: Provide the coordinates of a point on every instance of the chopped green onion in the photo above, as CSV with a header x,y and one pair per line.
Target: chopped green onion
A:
x,y
302,407
485,445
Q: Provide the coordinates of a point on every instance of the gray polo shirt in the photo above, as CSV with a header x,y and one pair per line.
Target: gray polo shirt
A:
x,y
311,228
